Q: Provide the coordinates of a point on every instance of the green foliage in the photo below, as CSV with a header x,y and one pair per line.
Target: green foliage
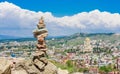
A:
x,y
69,63
82,69
106,69
68,66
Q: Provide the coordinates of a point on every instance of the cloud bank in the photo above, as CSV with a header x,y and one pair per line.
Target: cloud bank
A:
x,y
20,22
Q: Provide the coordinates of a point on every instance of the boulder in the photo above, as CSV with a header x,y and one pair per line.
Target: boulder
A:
x,y
4,64
29,68
26,66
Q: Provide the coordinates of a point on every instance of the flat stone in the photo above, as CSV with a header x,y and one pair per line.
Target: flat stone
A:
x,y
37,32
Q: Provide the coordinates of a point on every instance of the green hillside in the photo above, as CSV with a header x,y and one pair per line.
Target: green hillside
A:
x,y
79,38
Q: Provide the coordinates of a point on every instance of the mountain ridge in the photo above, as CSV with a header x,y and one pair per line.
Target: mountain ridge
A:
x,y
7,37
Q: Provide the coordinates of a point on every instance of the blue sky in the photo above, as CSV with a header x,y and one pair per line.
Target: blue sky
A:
x,y
68,7
62,17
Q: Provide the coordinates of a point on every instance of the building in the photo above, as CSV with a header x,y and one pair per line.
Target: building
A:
x,y
87,45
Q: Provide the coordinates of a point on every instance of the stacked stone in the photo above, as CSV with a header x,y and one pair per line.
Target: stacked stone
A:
x,y
41,29
39,64
40,33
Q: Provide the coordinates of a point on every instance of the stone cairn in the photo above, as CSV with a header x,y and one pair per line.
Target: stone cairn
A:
x,y
40,53
39,64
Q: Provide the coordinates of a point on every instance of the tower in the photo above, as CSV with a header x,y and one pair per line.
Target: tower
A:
x,y
87,45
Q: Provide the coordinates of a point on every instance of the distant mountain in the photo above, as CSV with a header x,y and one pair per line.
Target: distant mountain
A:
x,y
92,36
77,37
80,37
13,38
56,37
7,37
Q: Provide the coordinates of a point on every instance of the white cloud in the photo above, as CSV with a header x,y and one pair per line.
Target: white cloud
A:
x,y
21,22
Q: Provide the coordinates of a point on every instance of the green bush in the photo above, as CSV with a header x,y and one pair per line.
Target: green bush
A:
x,y
105,69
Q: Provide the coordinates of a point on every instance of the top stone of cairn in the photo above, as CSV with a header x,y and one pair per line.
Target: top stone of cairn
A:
x,y
41,29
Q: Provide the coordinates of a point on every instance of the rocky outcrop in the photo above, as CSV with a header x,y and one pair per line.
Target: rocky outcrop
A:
x,y
4,64
30,68
25,67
